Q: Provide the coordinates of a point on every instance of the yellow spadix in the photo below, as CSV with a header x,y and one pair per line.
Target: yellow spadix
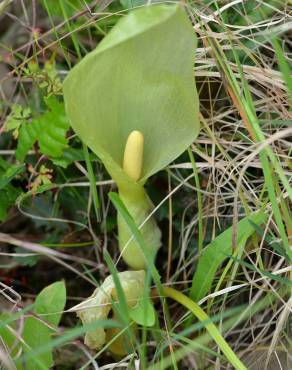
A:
x,y
133,155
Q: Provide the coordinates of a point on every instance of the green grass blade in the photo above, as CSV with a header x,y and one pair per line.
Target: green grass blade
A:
x,y
284,66
211,328
121,306
216,252
92,181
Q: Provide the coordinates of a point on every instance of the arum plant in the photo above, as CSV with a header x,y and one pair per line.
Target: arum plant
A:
x,y
133,101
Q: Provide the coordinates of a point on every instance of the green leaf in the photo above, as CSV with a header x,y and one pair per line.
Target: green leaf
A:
x,y
8,193
48,308
16,118
8,196
34,333
143,313
140,77
51,300
5,334
49,130
54,125
28,134
68,336
26,260
11,172
216,253
71,155
4,165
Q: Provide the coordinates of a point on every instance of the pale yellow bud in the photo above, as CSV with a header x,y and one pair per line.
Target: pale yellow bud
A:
x,y
133,155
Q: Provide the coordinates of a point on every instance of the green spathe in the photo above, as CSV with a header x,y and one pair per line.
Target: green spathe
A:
x,y
140,77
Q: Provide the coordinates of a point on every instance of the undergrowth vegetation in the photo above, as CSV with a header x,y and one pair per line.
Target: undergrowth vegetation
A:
x,y
218,294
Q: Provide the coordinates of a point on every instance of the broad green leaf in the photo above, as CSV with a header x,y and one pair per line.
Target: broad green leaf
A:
x,y
51,300
143,313
66,337
34,333
11,172
48,308
5,333
49,130
16,118
71,155
28,134
8,193
27,260
140,77
4,165
53,127
8,196
9,336
217,252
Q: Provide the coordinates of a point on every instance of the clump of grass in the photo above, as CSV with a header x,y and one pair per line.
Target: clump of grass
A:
x,y
61,218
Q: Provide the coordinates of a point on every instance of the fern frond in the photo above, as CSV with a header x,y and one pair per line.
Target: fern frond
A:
x,y
49,130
